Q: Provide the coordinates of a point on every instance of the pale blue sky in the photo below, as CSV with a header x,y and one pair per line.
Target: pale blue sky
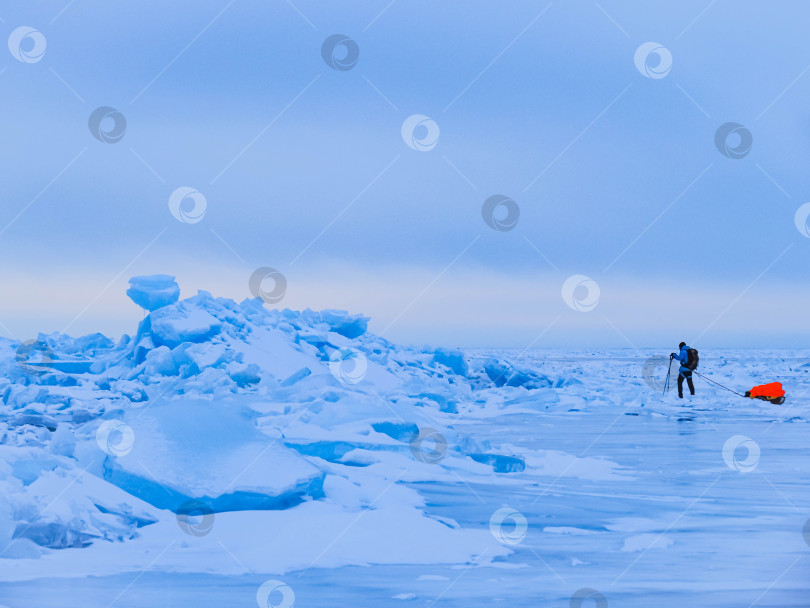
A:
x,y
537,101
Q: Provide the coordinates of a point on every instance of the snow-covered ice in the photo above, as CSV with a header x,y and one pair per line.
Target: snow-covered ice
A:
x,y
224,445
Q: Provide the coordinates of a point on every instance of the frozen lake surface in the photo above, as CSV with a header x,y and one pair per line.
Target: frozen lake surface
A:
x,y
673,525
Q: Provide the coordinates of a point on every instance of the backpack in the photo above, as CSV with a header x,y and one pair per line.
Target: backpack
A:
x,y
692,359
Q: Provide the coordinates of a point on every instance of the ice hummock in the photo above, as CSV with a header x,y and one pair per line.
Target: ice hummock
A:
x,y
243,409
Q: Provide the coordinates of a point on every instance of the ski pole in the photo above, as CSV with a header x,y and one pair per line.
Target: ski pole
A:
x,y
669,370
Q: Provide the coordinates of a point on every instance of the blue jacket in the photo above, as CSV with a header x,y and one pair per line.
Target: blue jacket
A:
x,y
683,357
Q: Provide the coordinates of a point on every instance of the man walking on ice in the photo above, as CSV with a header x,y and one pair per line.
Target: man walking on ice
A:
x,y
688,358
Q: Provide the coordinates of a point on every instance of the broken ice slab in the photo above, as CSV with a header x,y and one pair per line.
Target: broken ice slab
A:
x,y
210,451
153,291
500,463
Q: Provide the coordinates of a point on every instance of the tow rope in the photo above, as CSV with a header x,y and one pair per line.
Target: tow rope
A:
x,y
718,384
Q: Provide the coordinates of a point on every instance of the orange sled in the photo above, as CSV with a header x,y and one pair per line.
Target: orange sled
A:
x,y
772,392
